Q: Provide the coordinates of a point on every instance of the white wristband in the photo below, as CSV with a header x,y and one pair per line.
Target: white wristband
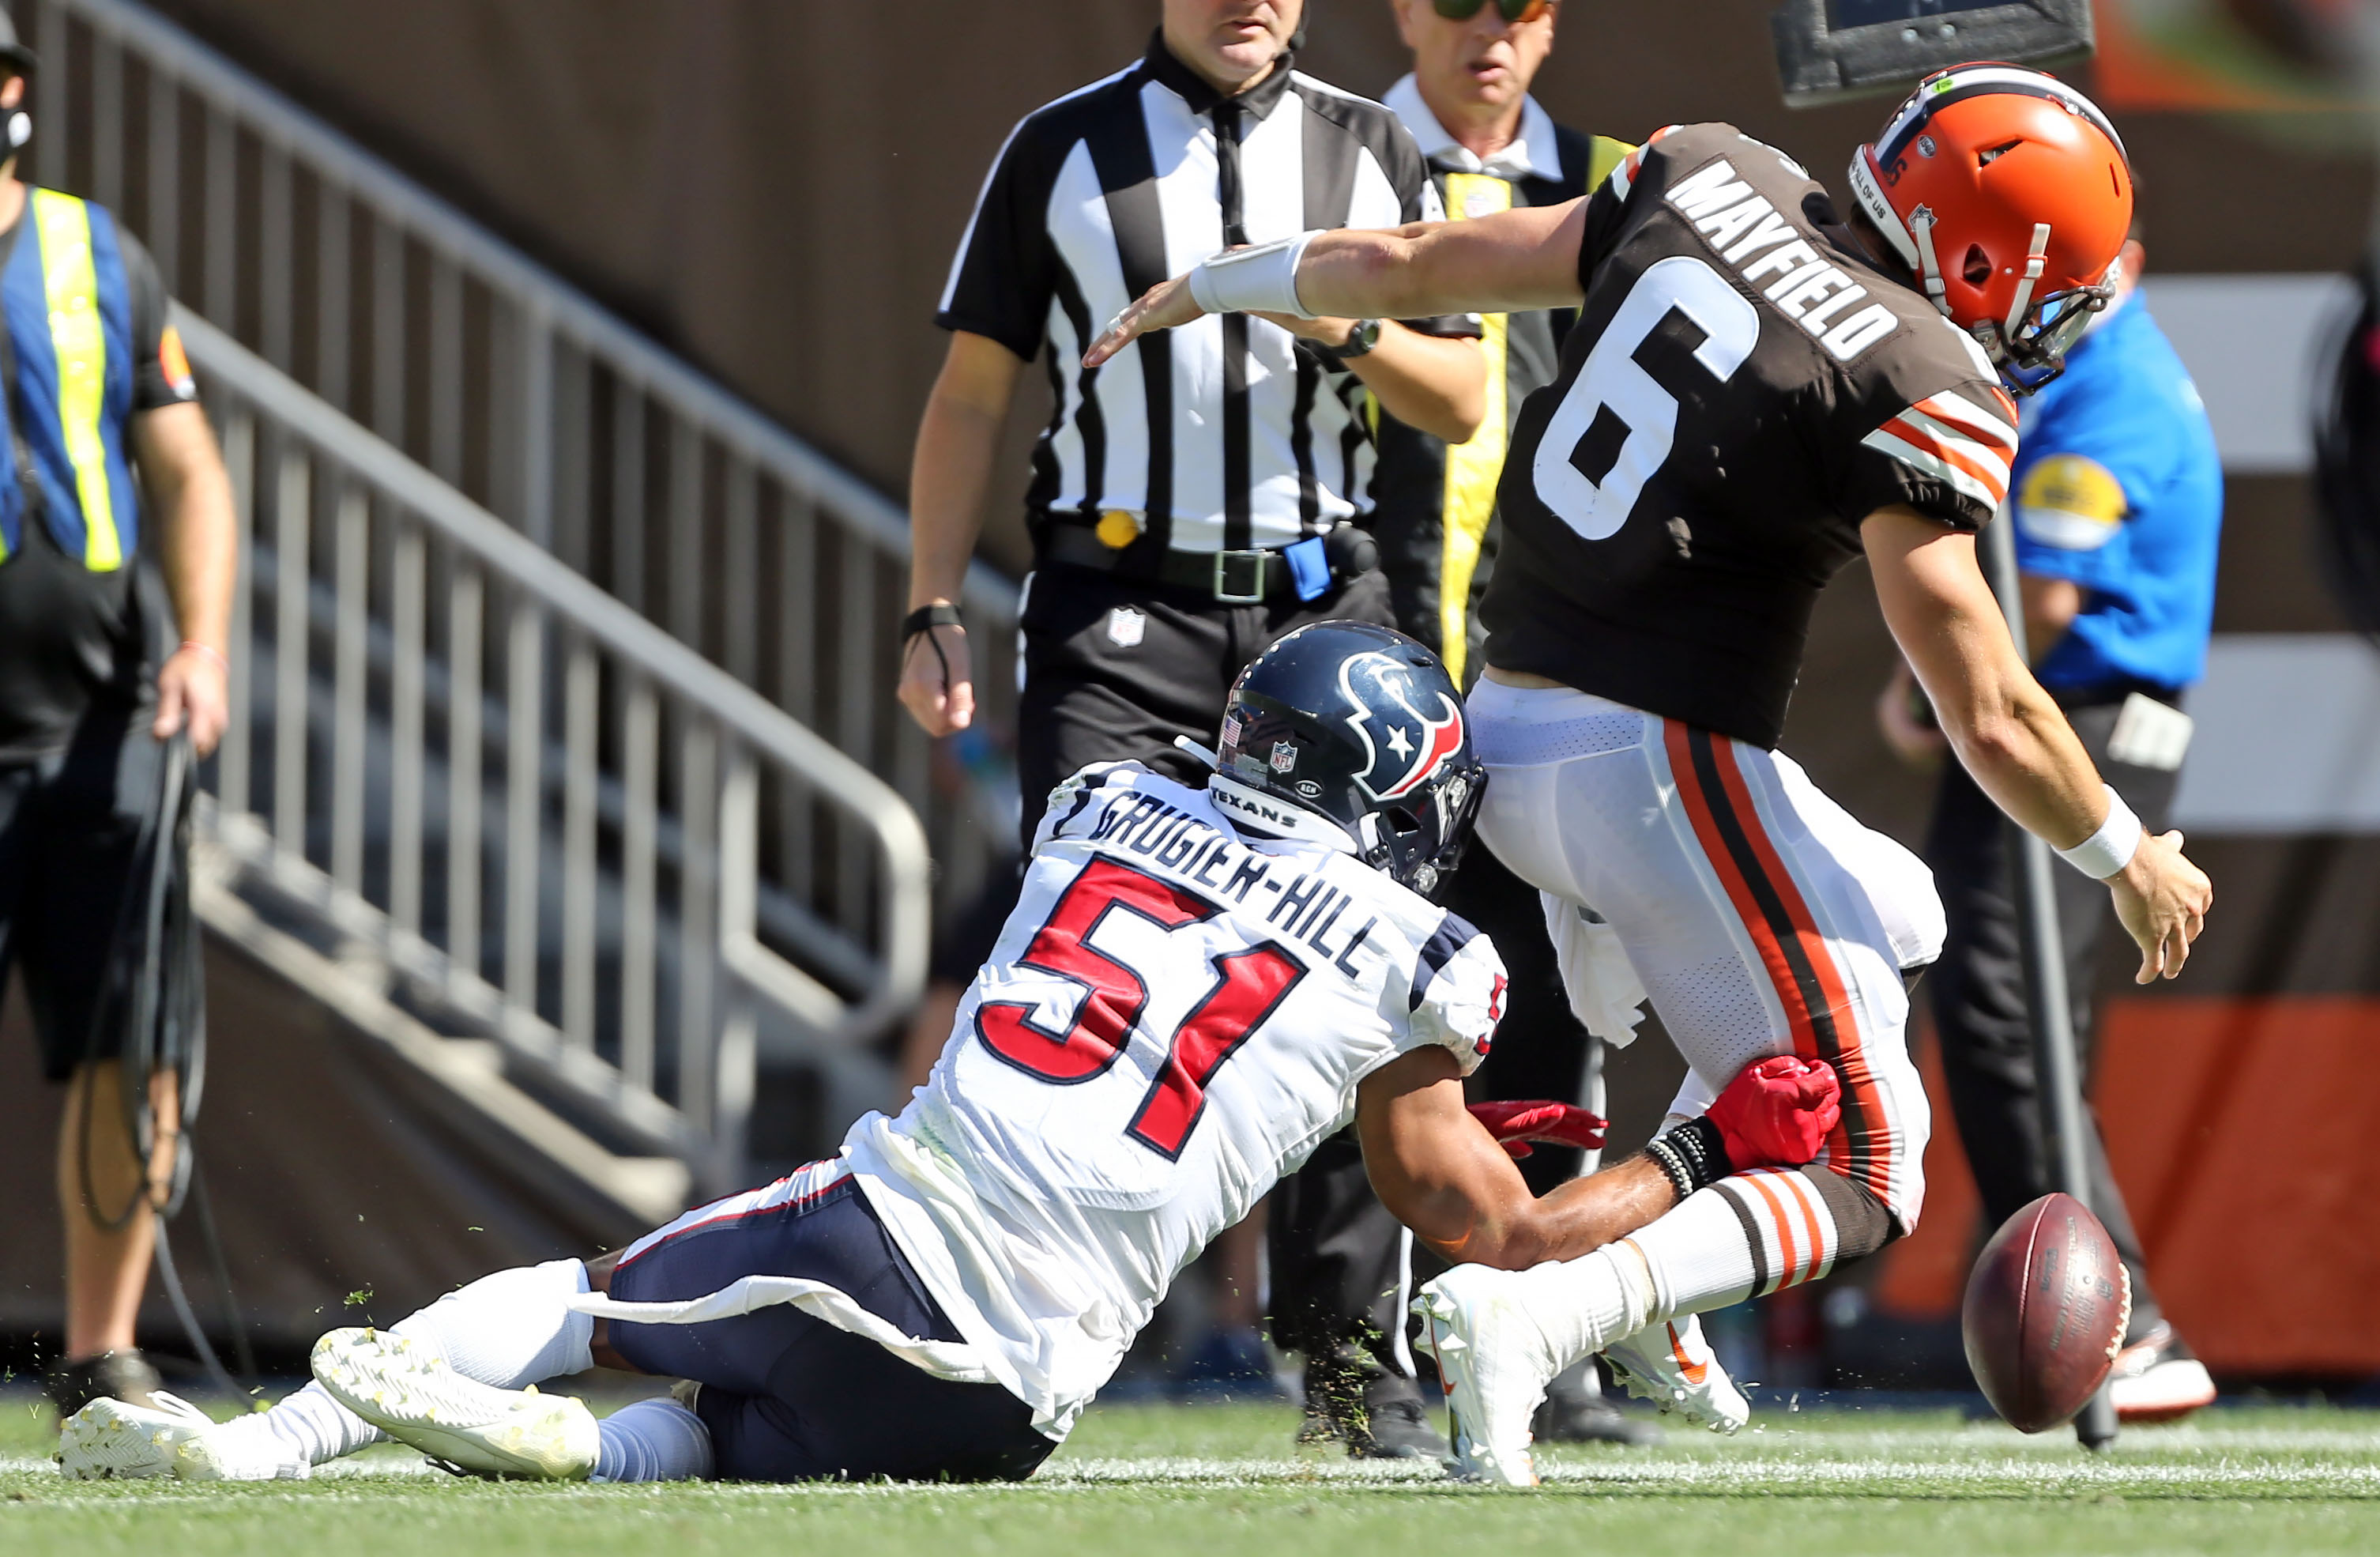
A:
x,y
1261,279
2111,848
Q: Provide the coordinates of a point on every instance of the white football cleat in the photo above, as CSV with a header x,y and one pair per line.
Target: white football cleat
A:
x,y
120,1441
2157,1379
404,1387
1671,1364
1495,1362
113,1439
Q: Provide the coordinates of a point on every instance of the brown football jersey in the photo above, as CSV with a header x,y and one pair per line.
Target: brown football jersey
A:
x,y
1741,391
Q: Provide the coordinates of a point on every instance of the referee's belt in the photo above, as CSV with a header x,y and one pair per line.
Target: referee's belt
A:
x,y
1306,569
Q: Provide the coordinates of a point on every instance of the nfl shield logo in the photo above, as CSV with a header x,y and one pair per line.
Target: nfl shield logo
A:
x,y
1284,757
1127,626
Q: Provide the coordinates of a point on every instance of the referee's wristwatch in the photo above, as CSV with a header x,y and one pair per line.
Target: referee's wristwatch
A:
x,y
1360,341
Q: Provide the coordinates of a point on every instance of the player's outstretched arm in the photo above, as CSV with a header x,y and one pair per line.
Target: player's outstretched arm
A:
x,y
1441,1172
1513,260
2011,735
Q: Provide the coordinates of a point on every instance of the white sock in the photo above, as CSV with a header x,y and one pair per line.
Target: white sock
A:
x,y
512,1328
1584,1304
307,1429
653,1441
507,1329
1698,1255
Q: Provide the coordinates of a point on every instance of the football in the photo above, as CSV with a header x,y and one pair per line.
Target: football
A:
x,y
2045,1314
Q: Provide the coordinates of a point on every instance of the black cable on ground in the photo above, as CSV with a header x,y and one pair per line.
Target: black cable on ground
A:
x,y
242,1353
216,1373
158,1032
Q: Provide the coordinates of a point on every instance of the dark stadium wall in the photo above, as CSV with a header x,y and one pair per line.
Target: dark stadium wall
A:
x,y
774,190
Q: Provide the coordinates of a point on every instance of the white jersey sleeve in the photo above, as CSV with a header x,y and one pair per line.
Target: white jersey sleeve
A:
x,y
1458,994
1078,791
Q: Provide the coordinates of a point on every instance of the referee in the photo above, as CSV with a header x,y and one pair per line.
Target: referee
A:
x,y
1203,493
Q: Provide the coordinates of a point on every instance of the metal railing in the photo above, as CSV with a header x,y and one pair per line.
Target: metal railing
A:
x,y
553,824
689,507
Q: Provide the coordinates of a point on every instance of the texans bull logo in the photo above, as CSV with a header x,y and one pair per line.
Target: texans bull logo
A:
x,y
1405,744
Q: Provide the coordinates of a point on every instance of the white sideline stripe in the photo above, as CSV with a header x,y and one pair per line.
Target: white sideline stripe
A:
x,y
2254,345
1983,1458
2288,739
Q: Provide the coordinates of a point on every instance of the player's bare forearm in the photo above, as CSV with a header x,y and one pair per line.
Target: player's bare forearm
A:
x,y
1440,1173
1513,260
2011,735
1435,385
2007,731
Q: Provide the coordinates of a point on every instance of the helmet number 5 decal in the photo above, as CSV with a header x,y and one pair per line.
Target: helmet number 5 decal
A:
x,y
1614,384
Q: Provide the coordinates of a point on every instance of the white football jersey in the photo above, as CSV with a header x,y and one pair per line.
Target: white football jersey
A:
x,y
1174,1016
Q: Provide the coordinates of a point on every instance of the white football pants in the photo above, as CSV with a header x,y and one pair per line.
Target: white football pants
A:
x,y
1759,917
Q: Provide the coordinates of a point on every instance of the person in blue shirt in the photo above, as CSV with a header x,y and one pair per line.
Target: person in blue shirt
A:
x,y
2118,499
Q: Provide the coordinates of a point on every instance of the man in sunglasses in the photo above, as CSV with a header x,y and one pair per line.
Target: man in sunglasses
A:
x,y
1756,392
1339,1263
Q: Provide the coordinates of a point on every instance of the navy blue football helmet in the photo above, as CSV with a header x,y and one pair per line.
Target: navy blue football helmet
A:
x,y
1344,732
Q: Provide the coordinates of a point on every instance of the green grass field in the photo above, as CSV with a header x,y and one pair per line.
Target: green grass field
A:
x,y
1222,1482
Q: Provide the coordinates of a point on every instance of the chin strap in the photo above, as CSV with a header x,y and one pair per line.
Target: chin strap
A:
x,y
1929,269
2035,258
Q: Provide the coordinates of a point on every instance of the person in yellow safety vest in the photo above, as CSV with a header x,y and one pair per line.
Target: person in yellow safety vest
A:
x,y
1490,147
97,672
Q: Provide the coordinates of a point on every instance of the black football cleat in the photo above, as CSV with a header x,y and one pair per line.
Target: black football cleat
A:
x,y
1576,1412
1398,1427
122,1375
1378,1415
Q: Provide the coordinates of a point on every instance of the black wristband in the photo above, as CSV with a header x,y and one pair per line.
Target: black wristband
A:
x,y
1665,1156
1693,1155
1360,342
942,613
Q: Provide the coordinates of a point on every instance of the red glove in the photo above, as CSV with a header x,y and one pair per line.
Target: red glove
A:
x,y
1777,1113
1516,1125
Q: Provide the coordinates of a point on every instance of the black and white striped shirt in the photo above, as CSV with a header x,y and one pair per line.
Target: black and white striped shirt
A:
x,y
1228,433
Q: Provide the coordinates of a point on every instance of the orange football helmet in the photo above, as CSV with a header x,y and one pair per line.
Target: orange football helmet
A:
x,y
2008,193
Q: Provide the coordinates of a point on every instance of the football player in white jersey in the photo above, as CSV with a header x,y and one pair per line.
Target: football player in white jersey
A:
x,y
1197,986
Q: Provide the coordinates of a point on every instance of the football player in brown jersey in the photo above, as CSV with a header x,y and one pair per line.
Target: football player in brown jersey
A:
x,y
1759,388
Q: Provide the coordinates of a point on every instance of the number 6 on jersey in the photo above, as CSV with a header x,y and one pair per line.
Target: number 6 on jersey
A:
x,y
1613,382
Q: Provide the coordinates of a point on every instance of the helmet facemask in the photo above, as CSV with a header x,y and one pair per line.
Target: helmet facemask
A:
x,y
2034,352
1420,842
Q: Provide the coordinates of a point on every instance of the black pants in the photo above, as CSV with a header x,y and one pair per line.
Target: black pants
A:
x,y
1339,1260
1978,994
69,835
1116,668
